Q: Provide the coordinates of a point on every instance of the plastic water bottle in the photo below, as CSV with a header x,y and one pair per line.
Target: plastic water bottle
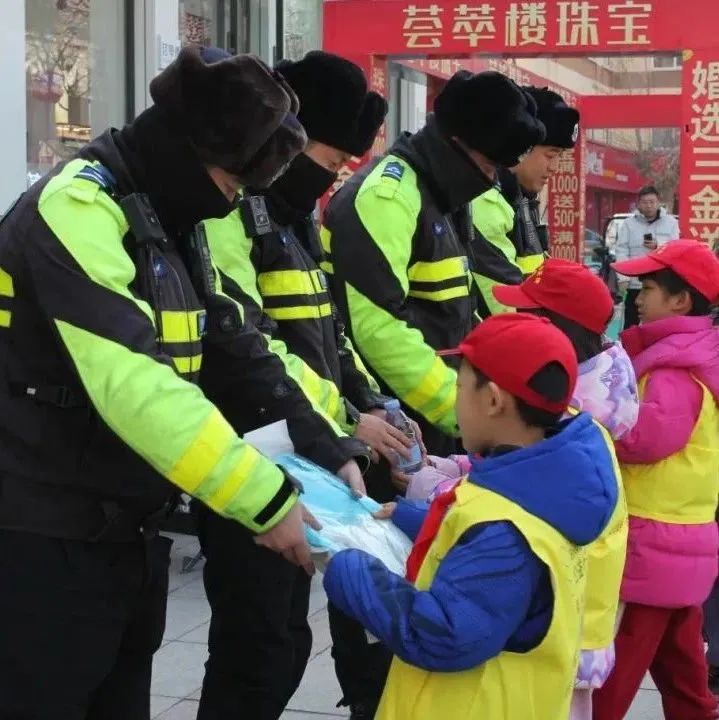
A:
x,y
398,419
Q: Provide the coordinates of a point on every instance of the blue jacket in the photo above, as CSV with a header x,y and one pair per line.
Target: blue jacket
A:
x,y
491,592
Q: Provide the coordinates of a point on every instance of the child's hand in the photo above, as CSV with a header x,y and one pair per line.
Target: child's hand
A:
x,y
386,511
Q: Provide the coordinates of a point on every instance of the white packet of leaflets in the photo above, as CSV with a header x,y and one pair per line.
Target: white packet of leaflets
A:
x,y
271,440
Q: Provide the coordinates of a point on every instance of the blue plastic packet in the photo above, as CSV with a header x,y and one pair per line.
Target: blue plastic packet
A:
x,y
346,521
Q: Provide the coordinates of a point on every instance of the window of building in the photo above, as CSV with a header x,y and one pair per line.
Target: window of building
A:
x,y
302,22
223,24
666,62
76,81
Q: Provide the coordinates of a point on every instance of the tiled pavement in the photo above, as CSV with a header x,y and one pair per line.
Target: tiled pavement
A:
x,y
178,667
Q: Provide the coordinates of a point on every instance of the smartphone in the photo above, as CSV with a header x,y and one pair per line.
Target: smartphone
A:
x,y
648,239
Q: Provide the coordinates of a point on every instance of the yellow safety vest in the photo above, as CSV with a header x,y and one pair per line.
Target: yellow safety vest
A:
x,y
530,263
684,487
536,685
605,566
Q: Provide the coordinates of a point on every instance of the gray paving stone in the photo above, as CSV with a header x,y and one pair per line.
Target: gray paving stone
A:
x,y
193,588
184,710
321,640
197,635
319,691
184,614
182,545
159,703
648,683
178,669
647,706
318,599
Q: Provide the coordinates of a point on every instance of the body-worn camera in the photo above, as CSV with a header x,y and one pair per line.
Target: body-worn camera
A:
x,y
254,215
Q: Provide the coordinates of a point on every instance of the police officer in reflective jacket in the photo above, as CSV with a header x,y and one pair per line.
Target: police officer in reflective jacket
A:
x,y
399,239
268,255
511,241
101,332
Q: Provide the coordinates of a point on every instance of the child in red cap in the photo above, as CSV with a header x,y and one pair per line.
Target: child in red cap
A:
x,y
670,467
580,305
487,622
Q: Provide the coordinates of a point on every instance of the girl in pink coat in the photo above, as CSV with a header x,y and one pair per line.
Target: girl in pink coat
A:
x,y
670,467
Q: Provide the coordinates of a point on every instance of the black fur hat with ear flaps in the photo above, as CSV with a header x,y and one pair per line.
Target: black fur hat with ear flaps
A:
x,y
489,113
561,120
238,113
335,106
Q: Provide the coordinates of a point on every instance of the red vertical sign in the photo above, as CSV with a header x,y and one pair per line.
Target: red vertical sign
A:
x,y
699,158
566,205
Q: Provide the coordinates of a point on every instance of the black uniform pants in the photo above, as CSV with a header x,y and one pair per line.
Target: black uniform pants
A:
x,y
79,623
260,639
361,666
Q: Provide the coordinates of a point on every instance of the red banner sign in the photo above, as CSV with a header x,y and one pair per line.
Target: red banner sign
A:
x,y
611,168
566,205
699,179
450,27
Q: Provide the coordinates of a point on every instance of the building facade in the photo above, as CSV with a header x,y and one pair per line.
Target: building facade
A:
x,y
72,68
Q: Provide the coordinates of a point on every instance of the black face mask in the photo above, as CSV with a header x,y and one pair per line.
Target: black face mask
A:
x,y
302,185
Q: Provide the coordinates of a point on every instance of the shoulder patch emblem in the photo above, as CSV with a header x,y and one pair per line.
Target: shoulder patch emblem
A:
x,y
393,170
99,175
202,323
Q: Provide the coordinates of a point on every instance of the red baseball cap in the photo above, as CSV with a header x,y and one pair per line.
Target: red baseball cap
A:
x,y
510,349
568,289
692,260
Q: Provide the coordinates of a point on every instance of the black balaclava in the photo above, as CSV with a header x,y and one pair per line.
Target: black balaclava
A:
x,y
169,170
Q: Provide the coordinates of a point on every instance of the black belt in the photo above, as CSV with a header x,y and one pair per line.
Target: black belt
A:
x,y
58,395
